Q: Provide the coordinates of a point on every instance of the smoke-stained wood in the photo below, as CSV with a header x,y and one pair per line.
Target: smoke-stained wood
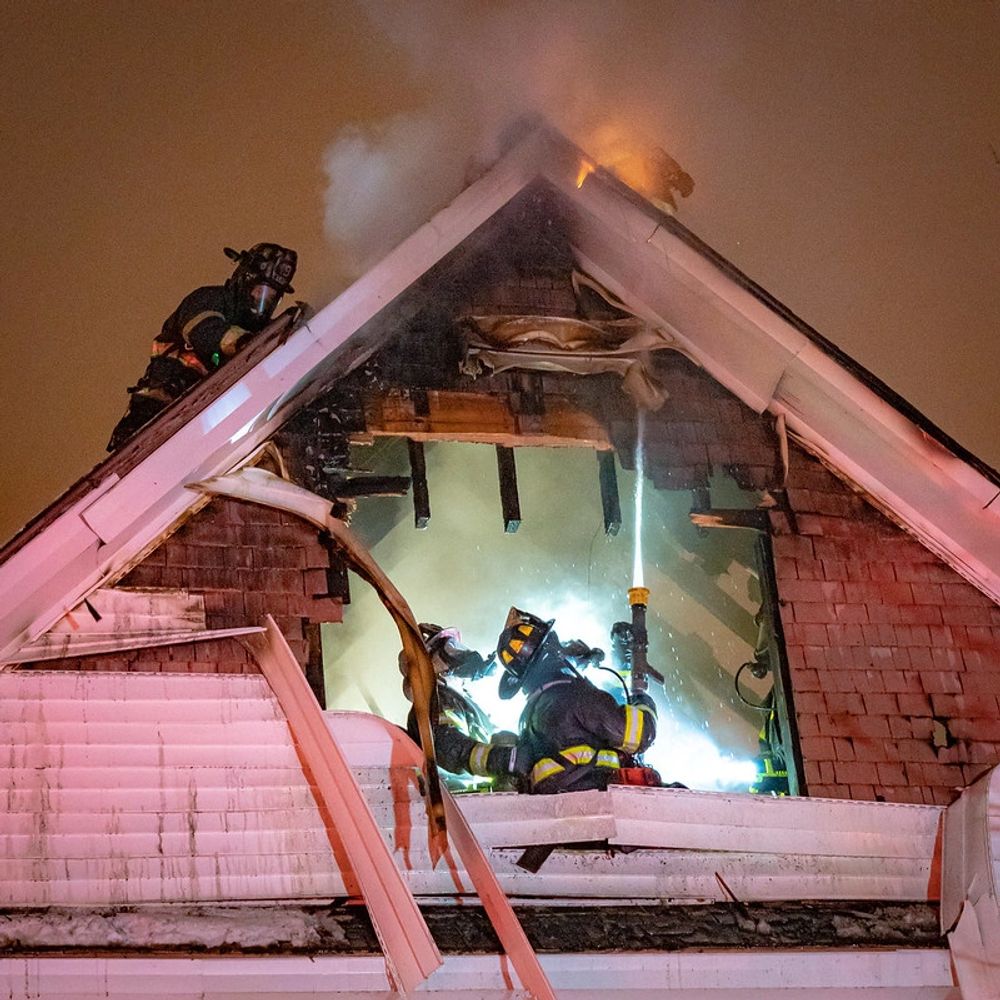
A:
x,y
610,502
418,475
509,501
479,418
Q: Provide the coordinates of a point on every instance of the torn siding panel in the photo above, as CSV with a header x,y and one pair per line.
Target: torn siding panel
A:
x,y
134,788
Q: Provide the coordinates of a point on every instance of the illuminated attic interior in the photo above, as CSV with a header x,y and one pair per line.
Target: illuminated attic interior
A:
x,y
463,569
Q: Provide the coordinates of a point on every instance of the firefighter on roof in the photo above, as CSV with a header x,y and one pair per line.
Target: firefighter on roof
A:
x,y
578,736
206,329
464,742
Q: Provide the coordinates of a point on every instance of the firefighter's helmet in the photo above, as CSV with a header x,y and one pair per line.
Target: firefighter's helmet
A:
x,y
521,639
263,274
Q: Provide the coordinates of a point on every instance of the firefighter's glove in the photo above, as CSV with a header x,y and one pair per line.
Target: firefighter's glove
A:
x,y
581,654
467,663
298,313
642,700
522,757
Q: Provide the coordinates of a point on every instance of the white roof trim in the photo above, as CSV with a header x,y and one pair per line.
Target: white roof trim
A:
x,y
749,348
913,974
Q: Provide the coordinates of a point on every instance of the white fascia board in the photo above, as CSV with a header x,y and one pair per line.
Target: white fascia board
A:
x,y
970,884
903,974
771,366
733,335
85,546
951,523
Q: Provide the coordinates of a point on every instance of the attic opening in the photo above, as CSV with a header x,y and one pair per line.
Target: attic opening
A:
x,y
508,350
464,570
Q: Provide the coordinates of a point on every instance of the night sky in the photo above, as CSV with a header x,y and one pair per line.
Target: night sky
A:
x,y
845,155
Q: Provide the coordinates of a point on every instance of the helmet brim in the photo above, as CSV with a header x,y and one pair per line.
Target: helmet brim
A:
x,y
509,685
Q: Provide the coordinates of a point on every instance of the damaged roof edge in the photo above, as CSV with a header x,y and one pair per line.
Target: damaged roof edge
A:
x,y
730,270
109,515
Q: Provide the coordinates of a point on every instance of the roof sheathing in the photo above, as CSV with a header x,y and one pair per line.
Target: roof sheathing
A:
x,y
746,340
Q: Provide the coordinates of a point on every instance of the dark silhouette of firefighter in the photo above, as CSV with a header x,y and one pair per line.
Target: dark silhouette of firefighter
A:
x,y
206,330
464,741
576,735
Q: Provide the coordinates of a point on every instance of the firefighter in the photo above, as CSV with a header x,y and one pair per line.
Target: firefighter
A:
x,y
464,741
772,771
206,329
577,735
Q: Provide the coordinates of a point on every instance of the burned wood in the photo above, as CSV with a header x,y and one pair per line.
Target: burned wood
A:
x,y
421,403
351,487
421,494
291,928
338,584
509,500
315,673
528,401
753,518
610,501
478,418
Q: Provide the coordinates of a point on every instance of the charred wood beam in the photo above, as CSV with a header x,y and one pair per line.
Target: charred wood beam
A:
x,y
256,928
753,518
479,418
509,500
315,674
338,583
527,400
610,502
349,487
421,494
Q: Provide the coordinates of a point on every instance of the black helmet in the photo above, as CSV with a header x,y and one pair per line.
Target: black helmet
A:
x,y
451,656
517,647
263,274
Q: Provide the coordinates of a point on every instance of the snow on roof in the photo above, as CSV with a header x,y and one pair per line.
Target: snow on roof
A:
x,y
740,335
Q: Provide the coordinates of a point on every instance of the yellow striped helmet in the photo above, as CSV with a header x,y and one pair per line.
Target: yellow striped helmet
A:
x,y
519,642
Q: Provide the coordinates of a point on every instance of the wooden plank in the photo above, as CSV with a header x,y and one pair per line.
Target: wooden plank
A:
x,y
510,503
480,418
418,475
610,502
315,672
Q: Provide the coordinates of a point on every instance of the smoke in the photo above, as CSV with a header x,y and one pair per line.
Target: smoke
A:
x,y
475,70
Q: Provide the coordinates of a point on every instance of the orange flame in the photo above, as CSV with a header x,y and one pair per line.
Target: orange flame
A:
x,y
586,169
637,162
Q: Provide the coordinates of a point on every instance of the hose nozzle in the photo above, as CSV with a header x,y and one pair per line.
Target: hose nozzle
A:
x,y
638,596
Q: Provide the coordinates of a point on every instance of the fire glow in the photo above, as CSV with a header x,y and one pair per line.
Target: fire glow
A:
x,y
586,169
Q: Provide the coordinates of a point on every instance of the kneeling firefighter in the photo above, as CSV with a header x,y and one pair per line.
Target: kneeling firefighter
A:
x,y
210,325
464,740
577,735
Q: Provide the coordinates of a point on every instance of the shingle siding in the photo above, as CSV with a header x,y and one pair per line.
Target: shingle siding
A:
x,y
894,657
247,561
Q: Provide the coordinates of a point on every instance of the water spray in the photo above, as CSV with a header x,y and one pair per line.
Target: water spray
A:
x,y
638,595
640,477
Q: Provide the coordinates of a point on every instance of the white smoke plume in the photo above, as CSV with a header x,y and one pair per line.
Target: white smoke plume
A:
x,y
482,67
